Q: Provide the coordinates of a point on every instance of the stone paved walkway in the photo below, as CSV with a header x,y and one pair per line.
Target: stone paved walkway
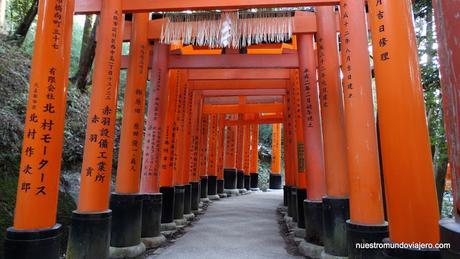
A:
x,y
237,227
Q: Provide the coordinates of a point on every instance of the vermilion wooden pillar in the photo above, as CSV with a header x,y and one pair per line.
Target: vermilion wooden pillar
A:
x,y
203,155
314,157
230,169
447,24
38,186
300,147
150,175
220,157
366,202
126,202
335,205
275,175
195,180
413,215
254,168
91,221
247,156
239,155
212,157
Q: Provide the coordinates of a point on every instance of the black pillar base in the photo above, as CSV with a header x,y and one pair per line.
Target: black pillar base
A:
x,y
275,182
411,253
151,215
126,219
362,234
336,212
187,199
89,235
301,196
247,182
230,178
179,193
289,201
167,210
204,187
313,213
212,185
196,191
254,181
37,244
240,179
450,233
220,186
286,193
294,203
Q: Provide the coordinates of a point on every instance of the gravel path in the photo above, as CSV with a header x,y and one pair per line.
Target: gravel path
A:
x,y
238,227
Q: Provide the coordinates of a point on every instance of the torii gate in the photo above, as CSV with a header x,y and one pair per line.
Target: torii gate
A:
x,y
346,173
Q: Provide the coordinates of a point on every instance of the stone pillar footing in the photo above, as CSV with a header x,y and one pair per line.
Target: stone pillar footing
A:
x,y
286,193
301,196
247,182
151,215
450,233
214,197
153,242
187,199
127,252
335,216
240,179
232,192
212,185
179,196
89,235
167,210
310,250
294,204
220,186
196,190
362,234
313,212
275,182
230,178
204,187
168,226
38,244
254,181
125,239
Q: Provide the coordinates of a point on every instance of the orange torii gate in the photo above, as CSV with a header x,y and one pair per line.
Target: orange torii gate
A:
x,y
342,178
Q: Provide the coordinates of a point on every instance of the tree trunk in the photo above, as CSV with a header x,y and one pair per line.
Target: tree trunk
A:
x,y
87,52
440,170
23,28
2,16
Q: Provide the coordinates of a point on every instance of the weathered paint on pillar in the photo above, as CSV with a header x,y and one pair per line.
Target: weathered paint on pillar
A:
x,y
212,145
100,133
187,136
38,185
276,149
290,141
130,154
314,157
299,134
157,105
331,104
412,213
179,129
447,24
366,201
254,148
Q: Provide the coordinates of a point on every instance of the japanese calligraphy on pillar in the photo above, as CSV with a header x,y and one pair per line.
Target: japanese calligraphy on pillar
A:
x,y
322,72
309,118
347,53
299,122
382,47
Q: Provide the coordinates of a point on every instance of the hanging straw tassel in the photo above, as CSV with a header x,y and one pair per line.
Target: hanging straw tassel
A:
x,y
227,29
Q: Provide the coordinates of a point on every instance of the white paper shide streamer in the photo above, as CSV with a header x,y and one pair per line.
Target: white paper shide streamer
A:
x,y
227,29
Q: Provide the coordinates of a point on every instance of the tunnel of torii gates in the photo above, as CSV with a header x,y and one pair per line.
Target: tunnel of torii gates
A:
x,y
201,134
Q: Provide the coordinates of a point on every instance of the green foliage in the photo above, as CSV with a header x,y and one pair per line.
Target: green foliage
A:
x,y
16,11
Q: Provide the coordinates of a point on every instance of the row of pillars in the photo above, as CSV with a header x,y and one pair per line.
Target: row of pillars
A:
x,y
165,168
333,164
